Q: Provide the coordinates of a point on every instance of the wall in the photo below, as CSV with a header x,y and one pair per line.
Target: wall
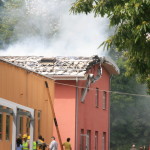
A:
x,y
91,117
65,97
28,89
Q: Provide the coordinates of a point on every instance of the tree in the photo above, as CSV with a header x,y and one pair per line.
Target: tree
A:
x,y
8,22
129,114
22,19
132,35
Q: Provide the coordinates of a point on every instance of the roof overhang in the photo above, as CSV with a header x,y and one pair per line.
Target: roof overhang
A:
x,y
110,65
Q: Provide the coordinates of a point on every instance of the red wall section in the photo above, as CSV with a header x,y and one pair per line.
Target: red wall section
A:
x,y
89,116
64,103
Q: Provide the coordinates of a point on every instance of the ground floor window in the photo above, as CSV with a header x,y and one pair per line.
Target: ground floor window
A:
x,y
96,140
21,126
28,126
88,139
39,122
104,141
82,139
7,127
1,125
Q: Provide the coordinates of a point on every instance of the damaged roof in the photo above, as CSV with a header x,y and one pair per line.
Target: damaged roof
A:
x,y
61,67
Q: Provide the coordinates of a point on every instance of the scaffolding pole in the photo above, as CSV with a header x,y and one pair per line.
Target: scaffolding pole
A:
x,y
54,116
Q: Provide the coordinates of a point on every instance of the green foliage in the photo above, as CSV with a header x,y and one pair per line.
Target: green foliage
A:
x,y
8,22
129,114
132,23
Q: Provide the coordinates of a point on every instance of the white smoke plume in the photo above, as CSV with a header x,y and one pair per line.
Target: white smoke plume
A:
x,y
47,28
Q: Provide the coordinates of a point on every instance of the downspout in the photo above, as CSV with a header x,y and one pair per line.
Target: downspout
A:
x,y
76,115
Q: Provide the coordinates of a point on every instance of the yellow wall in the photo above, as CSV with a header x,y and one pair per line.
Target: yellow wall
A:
x,y
28,89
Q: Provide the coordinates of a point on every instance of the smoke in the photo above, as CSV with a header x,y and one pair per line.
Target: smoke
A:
x,y
47,28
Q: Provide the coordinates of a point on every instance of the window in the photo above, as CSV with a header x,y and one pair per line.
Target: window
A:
x,y
82,139
28,126
104,141
1,125
89,139
21,126
104,100
97,98
7,127
96,140
39,123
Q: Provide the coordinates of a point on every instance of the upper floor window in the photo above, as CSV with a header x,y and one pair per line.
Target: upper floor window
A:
x,y
104,100
1,125
97,98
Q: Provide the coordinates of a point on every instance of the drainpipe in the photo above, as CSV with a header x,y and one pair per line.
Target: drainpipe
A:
x,y
76,114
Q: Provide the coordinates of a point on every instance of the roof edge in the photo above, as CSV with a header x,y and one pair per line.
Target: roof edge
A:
x,y
110,65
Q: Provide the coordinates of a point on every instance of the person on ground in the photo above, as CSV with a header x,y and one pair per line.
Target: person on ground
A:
x,y
40,143
53,145
133,147
25,144
19,143
67,144
141,148
34,145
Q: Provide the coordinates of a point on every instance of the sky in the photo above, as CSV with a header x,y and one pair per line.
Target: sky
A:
x,y
48,28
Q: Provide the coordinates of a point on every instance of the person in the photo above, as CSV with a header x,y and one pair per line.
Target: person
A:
x,y
44,144
67,144
141,148
19,143
34,143
25,144
40,143
53,145
133,147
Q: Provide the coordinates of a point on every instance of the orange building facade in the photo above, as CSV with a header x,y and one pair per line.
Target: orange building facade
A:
x,y
26,88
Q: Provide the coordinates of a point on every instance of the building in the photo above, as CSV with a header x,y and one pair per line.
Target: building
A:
x,y
81,96
23,104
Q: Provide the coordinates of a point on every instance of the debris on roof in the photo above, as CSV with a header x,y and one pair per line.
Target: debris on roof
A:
x,y
55,66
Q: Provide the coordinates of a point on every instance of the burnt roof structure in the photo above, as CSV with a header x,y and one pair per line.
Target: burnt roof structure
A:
x,y
61,68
